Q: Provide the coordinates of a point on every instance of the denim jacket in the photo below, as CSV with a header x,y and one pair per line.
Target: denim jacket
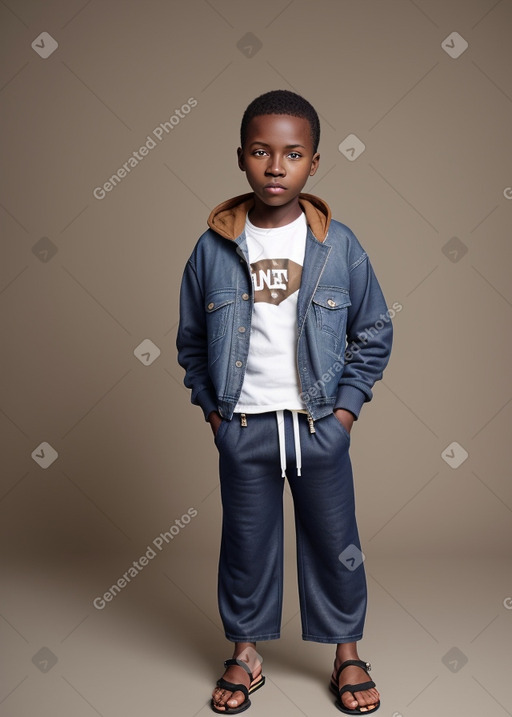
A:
x,y
343,326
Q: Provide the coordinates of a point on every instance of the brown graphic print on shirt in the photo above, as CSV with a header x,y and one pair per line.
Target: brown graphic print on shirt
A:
x,y
274,280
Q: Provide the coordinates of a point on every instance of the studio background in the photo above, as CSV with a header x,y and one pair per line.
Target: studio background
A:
x,y
103,452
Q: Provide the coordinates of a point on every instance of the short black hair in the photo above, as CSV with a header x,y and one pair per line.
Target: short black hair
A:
x,y
282,102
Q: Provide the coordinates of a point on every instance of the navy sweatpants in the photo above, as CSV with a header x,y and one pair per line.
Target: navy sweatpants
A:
x,y
332,583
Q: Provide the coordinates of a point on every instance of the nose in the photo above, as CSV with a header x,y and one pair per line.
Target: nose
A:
x,y
275,167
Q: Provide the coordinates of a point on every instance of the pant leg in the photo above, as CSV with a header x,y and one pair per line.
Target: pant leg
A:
x,y
332,591
250,584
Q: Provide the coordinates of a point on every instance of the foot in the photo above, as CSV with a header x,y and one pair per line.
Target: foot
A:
x,y
365,701
234,673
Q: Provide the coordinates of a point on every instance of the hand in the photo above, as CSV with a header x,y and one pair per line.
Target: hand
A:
x,y
214,420
346,418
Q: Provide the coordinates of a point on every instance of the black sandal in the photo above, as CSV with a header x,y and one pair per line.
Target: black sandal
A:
x,y
232,687
353,688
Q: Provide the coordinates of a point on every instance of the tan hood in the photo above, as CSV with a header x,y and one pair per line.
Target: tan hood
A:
x,y
228,218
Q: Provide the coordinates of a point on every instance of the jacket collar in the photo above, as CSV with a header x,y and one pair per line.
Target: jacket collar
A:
x,y
228,218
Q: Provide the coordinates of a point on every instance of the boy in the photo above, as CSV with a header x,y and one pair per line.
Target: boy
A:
x,y
283,332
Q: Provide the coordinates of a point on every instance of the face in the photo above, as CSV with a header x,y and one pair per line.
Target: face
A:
x,y
278,157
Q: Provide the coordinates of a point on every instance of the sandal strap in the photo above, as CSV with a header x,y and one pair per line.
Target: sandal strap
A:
x,y
232,687
357,688
358,663
240,663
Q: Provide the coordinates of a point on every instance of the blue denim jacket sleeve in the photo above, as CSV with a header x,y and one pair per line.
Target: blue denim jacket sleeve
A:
x,y
369,336
192,343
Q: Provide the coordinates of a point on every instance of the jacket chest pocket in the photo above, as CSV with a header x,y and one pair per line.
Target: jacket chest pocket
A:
x,y
330,306
219,306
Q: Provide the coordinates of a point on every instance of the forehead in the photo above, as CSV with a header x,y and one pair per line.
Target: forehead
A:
x,y
280,130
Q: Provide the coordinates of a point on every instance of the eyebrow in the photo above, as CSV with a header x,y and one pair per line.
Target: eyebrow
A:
x,y
288,146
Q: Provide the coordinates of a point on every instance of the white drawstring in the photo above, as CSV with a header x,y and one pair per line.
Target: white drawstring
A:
x,y
296,437
282,441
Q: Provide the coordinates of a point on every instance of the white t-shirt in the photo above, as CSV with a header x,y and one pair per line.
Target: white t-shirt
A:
x,y
276,257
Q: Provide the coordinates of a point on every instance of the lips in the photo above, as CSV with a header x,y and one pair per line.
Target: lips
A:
x,y
274,188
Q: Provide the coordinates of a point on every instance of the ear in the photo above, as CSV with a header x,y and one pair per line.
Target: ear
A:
x,y
314,164
240,155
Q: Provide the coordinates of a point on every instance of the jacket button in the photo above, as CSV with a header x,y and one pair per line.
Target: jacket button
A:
x,y
331,302
241,329
245,297
238,364
211,305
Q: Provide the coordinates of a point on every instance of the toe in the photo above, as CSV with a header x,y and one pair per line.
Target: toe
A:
x,y
236,699
224,698
367,699
349,701
218,698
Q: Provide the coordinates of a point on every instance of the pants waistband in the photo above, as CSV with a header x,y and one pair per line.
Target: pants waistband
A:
x,y
280,418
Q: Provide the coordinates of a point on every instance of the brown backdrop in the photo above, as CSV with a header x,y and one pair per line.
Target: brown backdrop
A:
x,y
102,451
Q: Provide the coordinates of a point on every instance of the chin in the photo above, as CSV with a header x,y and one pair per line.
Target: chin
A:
x,y
274,201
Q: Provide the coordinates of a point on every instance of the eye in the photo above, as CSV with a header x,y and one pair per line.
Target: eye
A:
x,y
259,152
294,155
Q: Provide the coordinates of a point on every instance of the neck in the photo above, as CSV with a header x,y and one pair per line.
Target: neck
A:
x,y
265,217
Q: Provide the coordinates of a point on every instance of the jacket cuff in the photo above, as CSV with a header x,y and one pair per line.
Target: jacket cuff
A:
x,y
350,398
207,403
